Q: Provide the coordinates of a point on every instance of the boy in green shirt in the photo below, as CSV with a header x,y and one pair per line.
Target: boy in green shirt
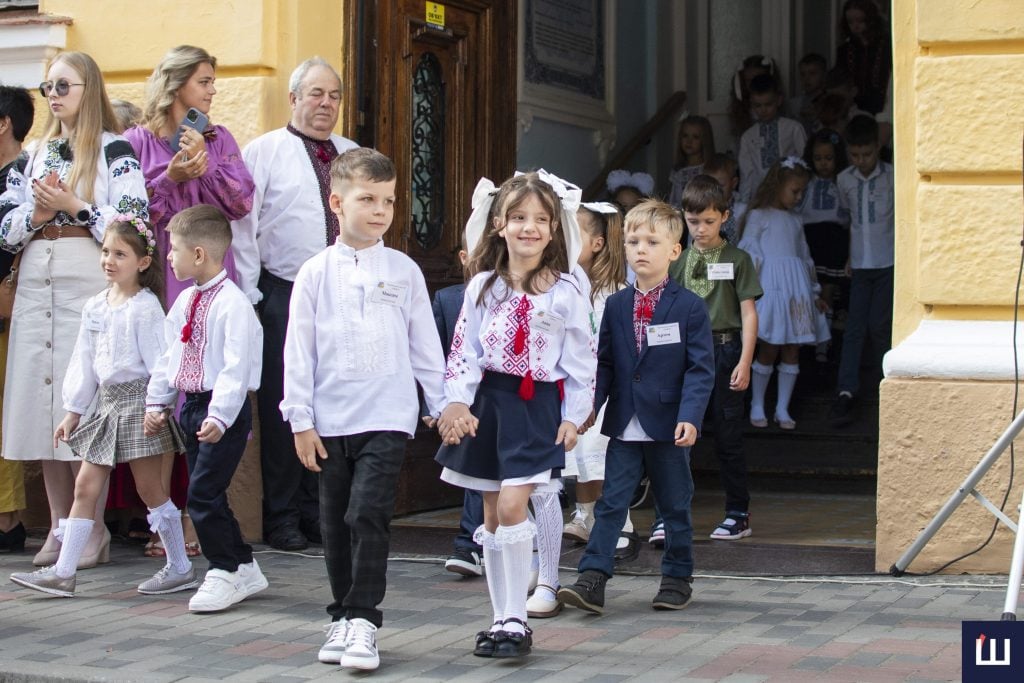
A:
x,y
724,276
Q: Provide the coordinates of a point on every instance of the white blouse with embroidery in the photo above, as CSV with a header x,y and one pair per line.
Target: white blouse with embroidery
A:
x,y
115,344
562,349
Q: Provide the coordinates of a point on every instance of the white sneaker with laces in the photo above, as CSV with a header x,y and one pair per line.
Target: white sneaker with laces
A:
x,y
576,529
361,646
220,590
253,580
336,643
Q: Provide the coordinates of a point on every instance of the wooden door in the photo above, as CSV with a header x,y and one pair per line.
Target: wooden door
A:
x,y
438,98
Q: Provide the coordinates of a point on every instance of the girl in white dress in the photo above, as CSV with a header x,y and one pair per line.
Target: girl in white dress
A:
x,y
119,342
791,312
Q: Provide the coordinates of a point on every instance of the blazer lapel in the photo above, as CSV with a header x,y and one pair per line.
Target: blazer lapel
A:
x,y
665,303
626,320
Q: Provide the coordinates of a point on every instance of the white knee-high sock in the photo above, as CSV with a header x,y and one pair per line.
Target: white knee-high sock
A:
x,y
787,380
494,573
166,521
548,514
759,376
515,542
76,536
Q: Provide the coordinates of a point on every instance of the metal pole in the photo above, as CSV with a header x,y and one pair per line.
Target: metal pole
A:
x,y
958,496
1016,570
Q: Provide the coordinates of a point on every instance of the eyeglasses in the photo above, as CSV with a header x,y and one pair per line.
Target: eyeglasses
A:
x,y
61,86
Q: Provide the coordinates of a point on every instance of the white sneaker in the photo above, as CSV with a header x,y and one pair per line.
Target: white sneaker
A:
x,y
576,529
337,637
220,590
253,580
361,646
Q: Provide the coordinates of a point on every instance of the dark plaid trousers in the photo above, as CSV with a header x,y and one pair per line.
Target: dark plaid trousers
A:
x,y
357,498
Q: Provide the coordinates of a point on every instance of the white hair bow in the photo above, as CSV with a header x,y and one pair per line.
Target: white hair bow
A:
x,y
639,181
792,162
600,207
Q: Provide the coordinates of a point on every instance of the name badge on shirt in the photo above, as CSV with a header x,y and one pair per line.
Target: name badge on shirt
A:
x,y
720,271
547,322
659,335
93,322
390,293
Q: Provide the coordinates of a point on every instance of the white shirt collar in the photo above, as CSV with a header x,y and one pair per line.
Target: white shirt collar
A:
x,y
352,252
214,281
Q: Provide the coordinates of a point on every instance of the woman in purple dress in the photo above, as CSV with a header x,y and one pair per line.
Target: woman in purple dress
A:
x,y
207,168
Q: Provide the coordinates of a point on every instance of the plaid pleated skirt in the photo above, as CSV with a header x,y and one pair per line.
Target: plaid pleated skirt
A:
x,y
114,433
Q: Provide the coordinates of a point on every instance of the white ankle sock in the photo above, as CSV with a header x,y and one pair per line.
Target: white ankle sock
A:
x,y
628,526
166,521
759,376
586,511
787,380
76,537
515,542
548,514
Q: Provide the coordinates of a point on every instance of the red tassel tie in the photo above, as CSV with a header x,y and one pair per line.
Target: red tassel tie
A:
x,y
526,386
186,331
519,346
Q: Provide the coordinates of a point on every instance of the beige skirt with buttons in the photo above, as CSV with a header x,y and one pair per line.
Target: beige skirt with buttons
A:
x,y
55,280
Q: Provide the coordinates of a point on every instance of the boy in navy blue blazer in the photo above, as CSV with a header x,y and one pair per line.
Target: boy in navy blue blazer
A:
x,y
656,368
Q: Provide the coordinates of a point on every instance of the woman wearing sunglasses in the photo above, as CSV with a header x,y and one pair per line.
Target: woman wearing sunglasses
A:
x,y
79,177
206,168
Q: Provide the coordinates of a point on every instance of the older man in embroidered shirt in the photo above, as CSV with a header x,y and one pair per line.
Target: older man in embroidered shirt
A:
x,y
290,222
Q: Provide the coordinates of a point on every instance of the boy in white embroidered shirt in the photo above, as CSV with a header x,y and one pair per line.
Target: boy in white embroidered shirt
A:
x,y
214,354
360,334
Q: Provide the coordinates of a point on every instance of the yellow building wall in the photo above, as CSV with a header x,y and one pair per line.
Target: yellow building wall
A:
x,y
958,122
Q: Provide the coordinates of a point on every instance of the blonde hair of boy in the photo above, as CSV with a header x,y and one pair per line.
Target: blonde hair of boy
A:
x,y
363,163
203,226
653,215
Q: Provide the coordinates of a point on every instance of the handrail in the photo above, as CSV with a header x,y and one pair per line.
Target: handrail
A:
x,y
643,136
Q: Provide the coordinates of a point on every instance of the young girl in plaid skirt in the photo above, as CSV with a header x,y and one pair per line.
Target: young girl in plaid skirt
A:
x,y
120,340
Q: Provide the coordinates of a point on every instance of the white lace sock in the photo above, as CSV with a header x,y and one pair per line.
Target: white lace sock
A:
x,y
586,513
548,514
516,545
166,521
787,380
759,377
495,575
76,537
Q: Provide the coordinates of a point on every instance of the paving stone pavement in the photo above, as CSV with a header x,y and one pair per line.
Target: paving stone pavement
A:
x,y
736,630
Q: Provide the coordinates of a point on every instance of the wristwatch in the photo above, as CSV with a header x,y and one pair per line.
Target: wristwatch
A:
x,y
84,215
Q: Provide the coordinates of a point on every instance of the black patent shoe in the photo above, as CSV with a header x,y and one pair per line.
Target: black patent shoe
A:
x,y
485,642
13,541
632,549
507,645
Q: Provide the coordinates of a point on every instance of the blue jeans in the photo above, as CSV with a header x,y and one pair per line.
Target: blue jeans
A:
x,y
870,314
668,468
472,518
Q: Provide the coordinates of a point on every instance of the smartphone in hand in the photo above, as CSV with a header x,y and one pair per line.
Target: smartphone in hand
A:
x,y
193,119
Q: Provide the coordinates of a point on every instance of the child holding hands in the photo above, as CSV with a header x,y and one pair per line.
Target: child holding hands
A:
x,y
655,340
523,340
360,336
119,342
214,354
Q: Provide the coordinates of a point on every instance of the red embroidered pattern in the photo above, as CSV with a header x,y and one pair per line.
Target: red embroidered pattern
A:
x,y
643,311
190,371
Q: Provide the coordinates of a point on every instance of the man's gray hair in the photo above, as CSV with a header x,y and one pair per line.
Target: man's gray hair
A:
x,y
295,81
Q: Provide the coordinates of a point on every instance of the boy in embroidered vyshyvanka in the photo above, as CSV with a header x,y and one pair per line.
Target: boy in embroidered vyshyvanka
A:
x,y
214,352
118,344
655,367
360,335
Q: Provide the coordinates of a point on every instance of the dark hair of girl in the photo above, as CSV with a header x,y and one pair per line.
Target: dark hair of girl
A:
x,y
826,136
153,275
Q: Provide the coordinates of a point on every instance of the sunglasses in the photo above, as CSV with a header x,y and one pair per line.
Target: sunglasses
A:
x,y
61,87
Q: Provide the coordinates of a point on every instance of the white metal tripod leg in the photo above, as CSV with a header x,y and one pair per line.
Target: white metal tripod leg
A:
x,y
1016,570
1001,444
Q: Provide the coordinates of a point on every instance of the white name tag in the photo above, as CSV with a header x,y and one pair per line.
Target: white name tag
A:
x,y
390,293
659,335
547,322
720,271
93,322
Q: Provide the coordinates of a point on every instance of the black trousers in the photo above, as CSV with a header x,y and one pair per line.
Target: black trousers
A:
x,y
289,490
210,468
726,412
357,498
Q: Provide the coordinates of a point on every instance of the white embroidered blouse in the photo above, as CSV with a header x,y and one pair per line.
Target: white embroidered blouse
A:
x,y
561,343
115,344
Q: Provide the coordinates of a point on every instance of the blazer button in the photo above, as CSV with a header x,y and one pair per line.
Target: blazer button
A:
x,y
47,380
636,377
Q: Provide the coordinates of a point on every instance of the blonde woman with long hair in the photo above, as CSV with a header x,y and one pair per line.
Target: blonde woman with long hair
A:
x,y
80,176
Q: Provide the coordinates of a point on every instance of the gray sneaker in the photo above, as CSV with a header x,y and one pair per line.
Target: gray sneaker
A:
x,y
336,642
46,580
169,581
